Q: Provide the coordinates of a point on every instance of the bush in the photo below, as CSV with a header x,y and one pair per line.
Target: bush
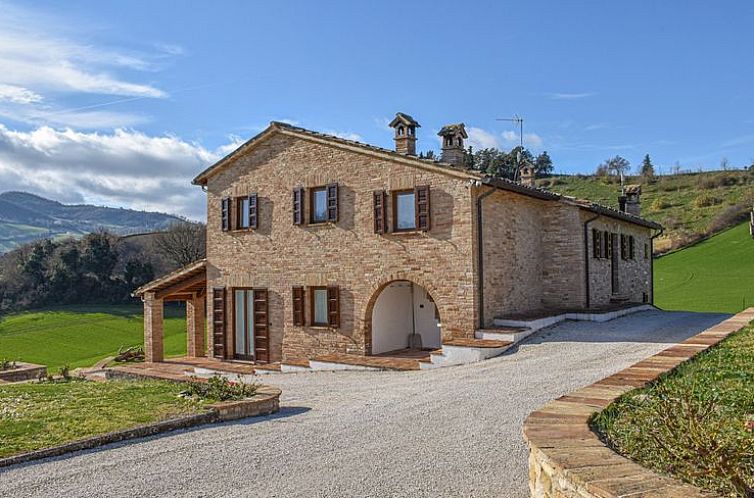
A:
x,y
732,215
717,180
220,389
7,364
660,204
706,200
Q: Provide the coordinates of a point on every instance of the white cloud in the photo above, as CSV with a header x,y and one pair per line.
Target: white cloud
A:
x,y
569,96
123,168
481,139
18,94
530,139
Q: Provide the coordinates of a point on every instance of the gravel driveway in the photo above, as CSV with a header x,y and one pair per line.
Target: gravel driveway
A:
x,y
447,432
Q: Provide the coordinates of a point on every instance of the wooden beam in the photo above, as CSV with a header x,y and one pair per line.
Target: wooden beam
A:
x,y
177,287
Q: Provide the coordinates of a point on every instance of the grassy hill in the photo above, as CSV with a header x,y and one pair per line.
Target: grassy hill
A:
x,y
714,275
26,217
82,335
689,205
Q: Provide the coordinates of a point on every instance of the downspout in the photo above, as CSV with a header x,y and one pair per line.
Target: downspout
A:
x,y
586,259
652,264
480,254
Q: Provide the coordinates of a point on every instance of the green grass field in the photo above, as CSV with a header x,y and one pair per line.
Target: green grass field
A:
x,y
714,275
79,336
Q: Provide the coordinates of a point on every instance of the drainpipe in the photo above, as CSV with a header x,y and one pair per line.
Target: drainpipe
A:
x,y
480,254
586,259
652,265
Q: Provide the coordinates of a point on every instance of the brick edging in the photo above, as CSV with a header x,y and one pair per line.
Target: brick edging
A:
x,y
264,403
566,458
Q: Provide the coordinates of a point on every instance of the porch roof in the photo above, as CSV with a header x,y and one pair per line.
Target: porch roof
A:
x,y
178,285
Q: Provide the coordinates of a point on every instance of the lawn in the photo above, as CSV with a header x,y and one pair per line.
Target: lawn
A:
x,y
39,415
695,423
714,275
80,336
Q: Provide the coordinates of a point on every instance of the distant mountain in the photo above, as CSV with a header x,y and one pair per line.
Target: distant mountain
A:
x,y
26,217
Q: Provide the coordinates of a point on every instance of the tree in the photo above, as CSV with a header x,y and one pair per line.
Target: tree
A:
x,y
647,168
543,165
614,166
100,257
182,243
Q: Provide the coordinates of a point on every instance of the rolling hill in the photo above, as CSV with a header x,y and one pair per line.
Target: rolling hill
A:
x,y
714,275
689,205
26,217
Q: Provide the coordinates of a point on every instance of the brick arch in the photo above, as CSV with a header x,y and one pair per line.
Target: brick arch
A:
x,y
376,289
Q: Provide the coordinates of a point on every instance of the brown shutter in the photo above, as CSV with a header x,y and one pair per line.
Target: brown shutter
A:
x,y
218,322
333,307
622,246
298,206
261,326
380,211
607,249
421,200
225,213
298,306
630,247
596,243
332,202
253,217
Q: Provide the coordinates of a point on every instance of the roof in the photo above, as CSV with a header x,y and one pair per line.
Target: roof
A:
x,y
453,129
459,172
402,117
186,280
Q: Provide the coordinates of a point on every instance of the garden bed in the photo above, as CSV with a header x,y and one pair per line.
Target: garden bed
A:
x,y
44,419
696,423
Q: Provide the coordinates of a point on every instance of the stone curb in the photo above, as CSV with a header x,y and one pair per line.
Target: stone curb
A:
x,y
567,459
266,402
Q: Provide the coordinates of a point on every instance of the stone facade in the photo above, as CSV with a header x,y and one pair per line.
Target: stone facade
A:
x,y
534,253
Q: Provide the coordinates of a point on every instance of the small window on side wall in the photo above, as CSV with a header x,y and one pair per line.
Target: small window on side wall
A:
x,y
325,306
404,211
323,204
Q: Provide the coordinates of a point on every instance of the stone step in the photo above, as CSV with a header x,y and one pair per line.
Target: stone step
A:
x,y
510,334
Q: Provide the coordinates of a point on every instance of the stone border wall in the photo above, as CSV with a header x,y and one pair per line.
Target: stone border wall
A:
x,y
23,372
567,459
265,402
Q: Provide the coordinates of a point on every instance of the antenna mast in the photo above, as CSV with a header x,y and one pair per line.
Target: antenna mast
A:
x,y
517,120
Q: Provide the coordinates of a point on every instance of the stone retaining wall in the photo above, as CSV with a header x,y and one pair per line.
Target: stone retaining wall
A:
x,y
22,372
568,460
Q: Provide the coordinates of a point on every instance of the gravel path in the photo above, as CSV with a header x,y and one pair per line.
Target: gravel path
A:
x,y
447,432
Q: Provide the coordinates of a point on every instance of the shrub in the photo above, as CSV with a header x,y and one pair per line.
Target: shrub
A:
x,y
219,388
717,180
7,364
65,372
706,200
732,215
660,204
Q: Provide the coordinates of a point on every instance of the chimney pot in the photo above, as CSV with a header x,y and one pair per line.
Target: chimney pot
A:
x,y
453,150
405,133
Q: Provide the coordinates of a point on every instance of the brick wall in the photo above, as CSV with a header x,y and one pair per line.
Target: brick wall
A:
x,y
280,255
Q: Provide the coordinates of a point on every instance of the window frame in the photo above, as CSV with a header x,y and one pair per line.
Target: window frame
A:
x,y
395,194
312,306
312,210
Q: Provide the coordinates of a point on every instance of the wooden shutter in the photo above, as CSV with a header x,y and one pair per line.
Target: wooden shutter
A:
x,y
607,249
218,322
261,326
623,251
596,243
225,213
253,217
630,247
421,200
298,206
380,211
298,306
332,202
333,306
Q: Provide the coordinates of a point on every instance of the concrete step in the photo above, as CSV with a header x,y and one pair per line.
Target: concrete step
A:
x,y
510,334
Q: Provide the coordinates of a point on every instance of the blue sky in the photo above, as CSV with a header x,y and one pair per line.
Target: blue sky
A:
x,y
121,103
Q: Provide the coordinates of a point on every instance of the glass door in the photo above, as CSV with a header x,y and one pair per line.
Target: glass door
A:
x,y
243,329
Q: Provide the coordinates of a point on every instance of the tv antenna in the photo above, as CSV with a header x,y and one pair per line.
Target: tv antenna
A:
x,y
516,120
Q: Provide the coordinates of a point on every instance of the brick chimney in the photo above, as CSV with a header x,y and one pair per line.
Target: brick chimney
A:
x,y
453,136
630,201
405,133
527,174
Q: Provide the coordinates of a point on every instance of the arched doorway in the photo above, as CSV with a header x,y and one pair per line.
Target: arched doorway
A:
x,y
405,316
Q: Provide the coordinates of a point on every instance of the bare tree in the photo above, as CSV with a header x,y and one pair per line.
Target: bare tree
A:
x,y
182,243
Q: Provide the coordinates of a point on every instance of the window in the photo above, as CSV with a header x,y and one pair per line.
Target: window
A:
x,y
225,214
318,204
246,212
404,207
323,204
607,247
325,306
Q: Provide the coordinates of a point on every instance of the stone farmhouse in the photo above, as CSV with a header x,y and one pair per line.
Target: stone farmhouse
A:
x,y
326,249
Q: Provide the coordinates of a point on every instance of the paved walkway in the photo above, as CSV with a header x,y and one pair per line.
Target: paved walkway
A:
x,y
447,432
